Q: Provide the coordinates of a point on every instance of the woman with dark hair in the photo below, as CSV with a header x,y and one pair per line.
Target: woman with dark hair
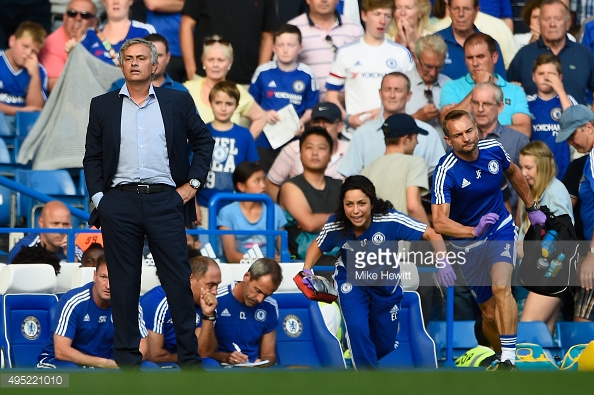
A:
x,y
370,294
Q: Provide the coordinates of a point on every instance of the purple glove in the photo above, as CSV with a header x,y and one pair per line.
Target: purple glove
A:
x,y
537,217
446,274
486,221
306,280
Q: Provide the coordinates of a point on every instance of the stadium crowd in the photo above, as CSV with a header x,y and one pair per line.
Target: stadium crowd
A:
x,y
301,95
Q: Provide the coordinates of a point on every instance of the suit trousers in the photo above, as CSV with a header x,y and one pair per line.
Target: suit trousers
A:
x,y
126,217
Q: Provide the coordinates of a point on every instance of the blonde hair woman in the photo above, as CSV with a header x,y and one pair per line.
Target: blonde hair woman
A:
x,y
411,22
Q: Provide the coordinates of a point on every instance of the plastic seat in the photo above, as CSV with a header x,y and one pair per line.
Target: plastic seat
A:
x,y
148,279
5,130
82,276
302,338
535,332
27,308
226,274
572,333
64,278
464,338
415,349
5,196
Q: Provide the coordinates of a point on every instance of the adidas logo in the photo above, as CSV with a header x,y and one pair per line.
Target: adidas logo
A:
x,y
225,313
272,84
357,63
465,183
87,318
394,310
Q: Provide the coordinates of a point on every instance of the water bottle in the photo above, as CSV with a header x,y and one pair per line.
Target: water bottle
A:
x,y
555,266
547,244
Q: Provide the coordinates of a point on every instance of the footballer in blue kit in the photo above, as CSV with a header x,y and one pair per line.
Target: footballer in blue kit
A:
x,y
82,331
364,222
247,317
467,205
162,344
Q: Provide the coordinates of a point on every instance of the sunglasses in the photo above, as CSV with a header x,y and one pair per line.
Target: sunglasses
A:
x,y
83,14
428,95
329,41
211,41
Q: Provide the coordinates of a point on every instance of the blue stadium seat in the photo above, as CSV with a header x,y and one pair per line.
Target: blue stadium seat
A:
x,y
56,183
537,332
302,338
464,338
572,333
5,127
5,194
415,349
27,308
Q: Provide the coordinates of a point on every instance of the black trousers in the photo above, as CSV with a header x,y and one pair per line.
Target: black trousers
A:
x,y
126,217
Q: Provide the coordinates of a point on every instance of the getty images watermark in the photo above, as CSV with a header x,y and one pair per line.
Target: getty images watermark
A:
x,y
389,263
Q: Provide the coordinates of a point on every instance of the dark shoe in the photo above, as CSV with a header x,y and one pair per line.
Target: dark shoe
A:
x,y
502,366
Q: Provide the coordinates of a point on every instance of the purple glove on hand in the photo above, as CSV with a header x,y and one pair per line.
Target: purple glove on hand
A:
x,y
446,274
537,217
306,281
486,221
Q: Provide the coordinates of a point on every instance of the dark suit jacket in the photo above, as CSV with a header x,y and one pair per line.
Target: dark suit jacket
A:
x,y
183,126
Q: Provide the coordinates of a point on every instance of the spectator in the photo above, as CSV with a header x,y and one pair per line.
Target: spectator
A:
x,y
426,81
253,332
463,13
233,145
246,24
37,254
15,12
538,167
82,331
283,82
481,56
78,17
53,215
59,7
160,76
105,41
162,345
309,199
368,143
576,59
92,255
288,163
547,105
531,16
324,30
360,66
411,22
23,80
248,177
217,58
405,188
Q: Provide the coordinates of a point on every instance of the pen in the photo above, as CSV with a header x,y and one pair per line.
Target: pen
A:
x,y
236,347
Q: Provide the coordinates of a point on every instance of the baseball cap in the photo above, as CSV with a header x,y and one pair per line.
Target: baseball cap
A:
x,y
572,118
326,110
399,125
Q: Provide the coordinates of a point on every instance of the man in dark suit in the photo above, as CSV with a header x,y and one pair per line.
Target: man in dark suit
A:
x,y
142,183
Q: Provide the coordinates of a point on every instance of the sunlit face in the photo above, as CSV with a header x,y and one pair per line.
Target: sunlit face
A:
x,y
101,288
208,282
255,291
478,58
463,136
485,109
377,21
429,65
541,77
463,15
216,63
255,184
136,65
54,216
394,94
315,153
22,49
333,128
287,48
408,10
77,26
554,23
117,10
223,106
357,208
527,164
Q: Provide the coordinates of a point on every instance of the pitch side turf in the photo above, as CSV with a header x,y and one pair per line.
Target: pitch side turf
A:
x,y
305,382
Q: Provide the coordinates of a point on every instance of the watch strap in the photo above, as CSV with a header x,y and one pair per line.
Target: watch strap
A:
x,y
209,317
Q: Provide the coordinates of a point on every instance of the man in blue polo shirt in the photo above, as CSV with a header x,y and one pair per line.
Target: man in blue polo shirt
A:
x,y
463,14
481,56
577,61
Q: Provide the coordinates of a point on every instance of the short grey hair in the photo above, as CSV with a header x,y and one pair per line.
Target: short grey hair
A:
x,y
498,96
133,41
264,266
433,42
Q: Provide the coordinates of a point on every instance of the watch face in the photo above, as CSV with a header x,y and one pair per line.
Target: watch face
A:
x,y
194,183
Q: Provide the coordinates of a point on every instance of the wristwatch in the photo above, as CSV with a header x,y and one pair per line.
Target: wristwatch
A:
x,y
535,207
194,183
212,317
